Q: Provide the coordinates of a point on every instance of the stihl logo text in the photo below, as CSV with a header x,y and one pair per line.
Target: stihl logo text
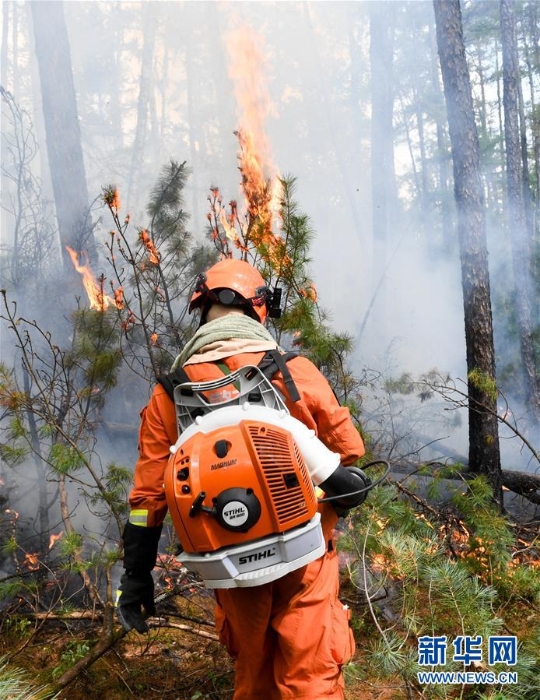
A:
x,y
234,513
258,556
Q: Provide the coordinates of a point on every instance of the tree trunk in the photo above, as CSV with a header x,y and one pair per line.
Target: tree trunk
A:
x,y
534,67
526,178
410,148
328,112
521,249
195,138
442,153
484,454
381,18
500,120
15,68
535,129
489,172
62,128
417,96
145,85
116,107
4,61
4,86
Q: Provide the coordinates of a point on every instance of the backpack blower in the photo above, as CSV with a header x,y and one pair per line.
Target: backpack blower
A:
x,y
240,482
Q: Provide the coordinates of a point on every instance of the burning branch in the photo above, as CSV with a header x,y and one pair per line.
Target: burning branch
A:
x,y
96,296
153,271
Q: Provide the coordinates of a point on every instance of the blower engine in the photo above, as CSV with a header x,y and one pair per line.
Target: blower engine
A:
x,y
240,482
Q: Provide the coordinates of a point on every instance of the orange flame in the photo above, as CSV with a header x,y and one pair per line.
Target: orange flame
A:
x,y
247,68
309,292
153,254
115,199
119,298
98,299
260,177
378,563
32,561
54,539
230,231
129,322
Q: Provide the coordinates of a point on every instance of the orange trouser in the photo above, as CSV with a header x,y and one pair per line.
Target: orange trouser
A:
x,y
290,637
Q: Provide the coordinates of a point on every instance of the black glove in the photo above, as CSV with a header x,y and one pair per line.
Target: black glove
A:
x,y
345,481
137,584
136,595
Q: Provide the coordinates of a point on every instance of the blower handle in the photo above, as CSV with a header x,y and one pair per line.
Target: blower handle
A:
x,y
367,486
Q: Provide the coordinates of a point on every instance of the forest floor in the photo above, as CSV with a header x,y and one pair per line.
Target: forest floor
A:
x,y
179,659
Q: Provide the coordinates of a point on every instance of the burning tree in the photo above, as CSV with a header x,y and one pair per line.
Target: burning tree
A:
x,y
55,406
153,274
133,330
52,417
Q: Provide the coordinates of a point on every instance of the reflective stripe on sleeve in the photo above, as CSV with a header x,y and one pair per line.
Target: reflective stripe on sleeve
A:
x,y
139,517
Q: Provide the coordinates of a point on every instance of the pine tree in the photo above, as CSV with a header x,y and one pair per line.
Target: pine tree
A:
x,y
154,269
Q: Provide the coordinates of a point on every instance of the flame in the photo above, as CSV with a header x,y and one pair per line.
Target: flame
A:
x,y
169,561
32,561
129,322
148,243
54,539
247,71
98,299
154,338
119,298
230,231
378,563
260,176
111,197
309,292
115,200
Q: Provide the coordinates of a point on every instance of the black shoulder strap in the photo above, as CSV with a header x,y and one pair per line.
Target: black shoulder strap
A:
x,y
172,379
272,362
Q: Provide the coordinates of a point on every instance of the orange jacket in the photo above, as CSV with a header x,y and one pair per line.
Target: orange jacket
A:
x,y
318,409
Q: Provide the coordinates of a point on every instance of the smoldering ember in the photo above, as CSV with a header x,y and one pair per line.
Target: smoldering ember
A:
x,y
377,164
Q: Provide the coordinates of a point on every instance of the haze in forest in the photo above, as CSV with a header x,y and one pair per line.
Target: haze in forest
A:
x,y
400,298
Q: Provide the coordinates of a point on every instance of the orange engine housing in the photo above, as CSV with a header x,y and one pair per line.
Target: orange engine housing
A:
x,y
237,484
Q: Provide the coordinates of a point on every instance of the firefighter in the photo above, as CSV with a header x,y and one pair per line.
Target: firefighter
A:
x,y
289,638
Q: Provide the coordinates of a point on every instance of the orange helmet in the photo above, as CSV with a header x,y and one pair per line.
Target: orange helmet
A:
x,y
231,283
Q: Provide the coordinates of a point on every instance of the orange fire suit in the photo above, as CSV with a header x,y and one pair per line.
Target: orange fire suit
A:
x,y
290,637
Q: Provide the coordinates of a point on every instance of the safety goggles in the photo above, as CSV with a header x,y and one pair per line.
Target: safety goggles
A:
x,y
228,297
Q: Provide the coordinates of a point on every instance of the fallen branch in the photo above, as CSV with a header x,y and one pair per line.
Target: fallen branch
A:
x,y
97,651
107,642
184,628
523,483
75,615
416,498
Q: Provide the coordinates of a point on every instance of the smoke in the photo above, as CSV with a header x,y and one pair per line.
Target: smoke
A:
x,y
402,303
